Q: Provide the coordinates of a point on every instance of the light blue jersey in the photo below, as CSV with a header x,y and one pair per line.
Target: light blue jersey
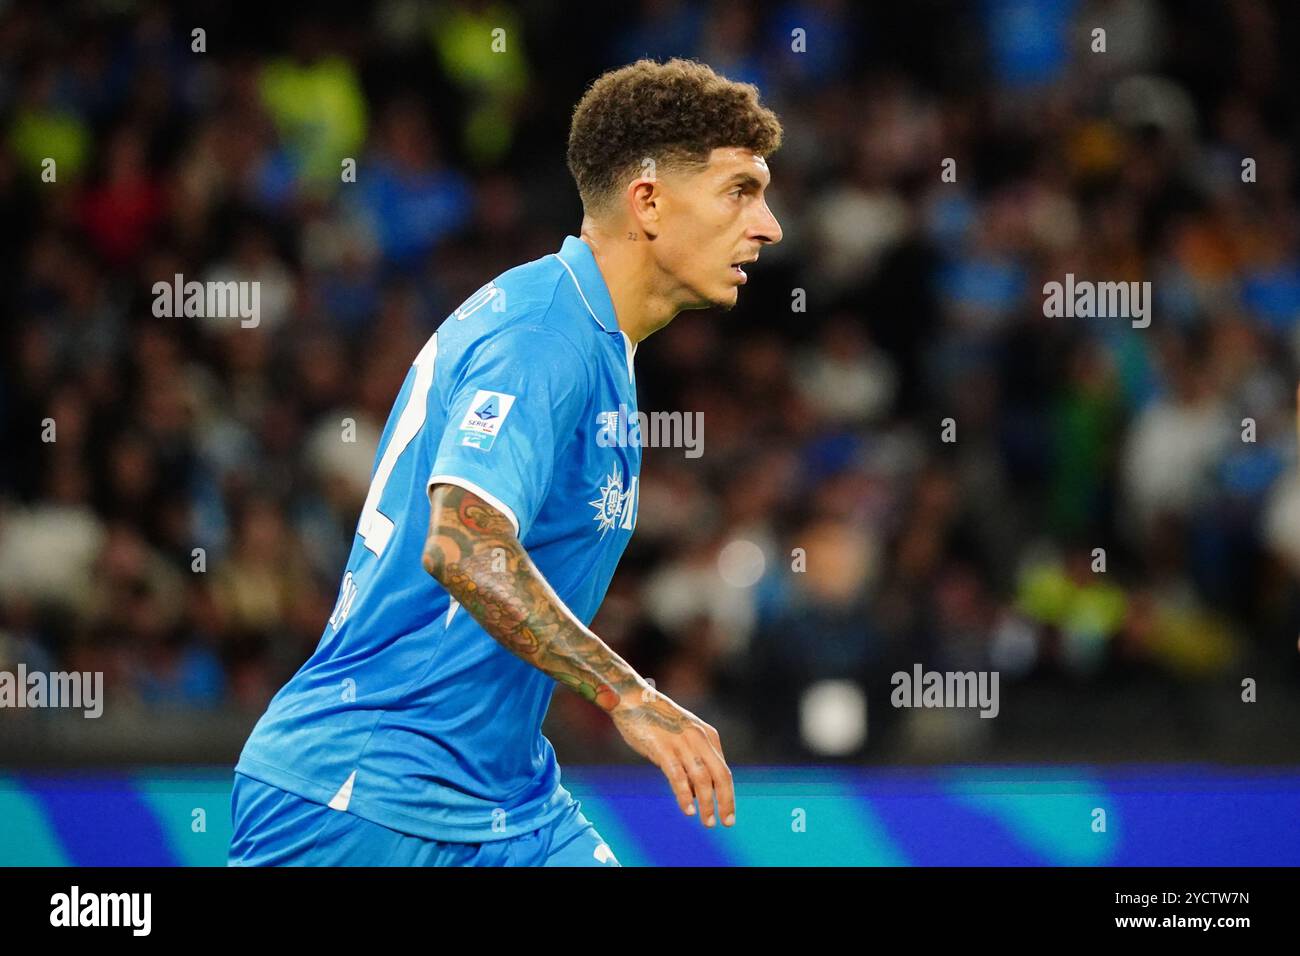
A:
x,y
409,714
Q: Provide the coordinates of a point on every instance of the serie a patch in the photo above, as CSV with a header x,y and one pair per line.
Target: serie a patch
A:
x,y
482,423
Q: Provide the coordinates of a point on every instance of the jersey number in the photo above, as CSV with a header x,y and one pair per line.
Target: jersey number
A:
x,y
375,527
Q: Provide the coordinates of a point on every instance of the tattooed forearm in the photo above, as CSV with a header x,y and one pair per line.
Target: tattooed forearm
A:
x,y
473,552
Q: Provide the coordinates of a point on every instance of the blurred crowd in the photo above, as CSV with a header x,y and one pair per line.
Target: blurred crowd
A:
x,y
905,461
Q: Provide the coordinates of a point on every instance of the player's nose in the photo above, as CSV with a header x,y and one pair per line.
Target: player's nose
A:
x,y
767,230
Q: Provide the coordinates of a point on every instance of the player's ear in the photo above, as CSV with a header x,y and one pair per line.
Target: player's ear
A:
x,y
645,201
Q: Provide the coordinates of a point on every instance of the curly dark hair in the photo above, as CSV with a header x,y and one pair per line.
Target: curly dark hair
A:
x,y
675,113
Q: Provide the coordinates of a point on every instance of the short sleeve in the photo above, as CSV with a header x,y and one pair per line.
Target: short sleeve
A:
x,y
517,398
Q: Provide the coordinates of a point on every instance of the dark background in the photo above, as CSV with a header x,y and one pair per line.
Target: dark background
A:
x,y
822,427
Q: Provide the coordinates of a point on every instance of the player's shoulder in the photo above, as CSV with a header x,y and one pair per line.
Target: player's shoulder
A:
x,y
527,290
523,308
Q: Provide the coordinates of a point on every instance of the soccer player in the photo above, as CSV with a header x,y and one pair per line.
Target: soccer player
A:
x,y
498,509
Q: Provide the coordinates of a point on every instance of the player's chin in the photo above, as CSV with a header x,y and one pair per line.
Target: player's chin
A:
x,y
714,297
727,298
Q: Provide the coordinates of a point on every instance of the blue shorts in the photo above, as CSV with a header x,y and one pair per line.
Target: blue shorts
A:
x,y
276,828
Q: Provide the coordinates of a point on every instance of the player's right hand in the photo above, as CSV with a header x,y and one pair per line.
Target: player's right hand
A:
x,y
685,748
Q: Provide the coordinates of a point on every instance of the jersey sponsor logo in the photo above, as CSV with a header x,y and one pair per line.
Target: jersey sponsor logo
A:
x,y
615,508
482,423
